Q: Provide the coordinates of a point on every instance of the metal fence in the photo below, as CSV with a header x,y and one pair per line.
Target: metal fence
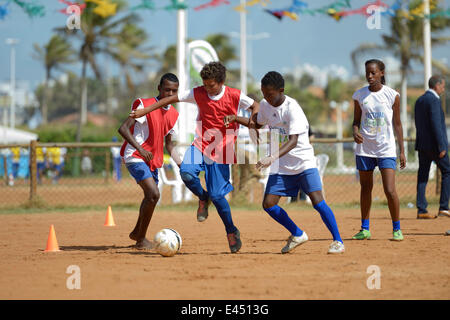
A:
x,y
86,175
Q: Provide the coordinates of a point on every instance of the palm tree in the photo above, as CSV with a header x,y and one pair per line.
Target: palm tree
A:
x,y
128,52
97,35
222,44
168,60
57,52
226,52
406,42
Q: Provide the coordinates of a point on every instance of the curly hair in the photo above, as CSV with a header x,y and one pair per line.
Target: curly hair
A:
x,y
214,70
273,79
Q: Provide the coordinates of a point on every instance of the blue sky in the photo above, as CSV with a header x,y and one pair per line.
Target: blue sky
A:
x,y
317,41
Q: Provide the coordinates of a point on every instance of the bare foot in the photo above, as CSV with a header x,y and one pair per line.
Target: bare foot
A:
x,y
144,244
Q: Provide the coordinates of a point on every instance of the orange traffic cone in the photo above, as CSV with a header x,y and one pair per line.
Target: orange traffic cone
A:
x,y
109,222
52,243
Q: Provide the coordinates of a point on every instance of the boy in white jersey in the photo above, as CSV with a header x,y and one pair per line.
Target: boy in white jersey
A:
x,y
293,164
376,116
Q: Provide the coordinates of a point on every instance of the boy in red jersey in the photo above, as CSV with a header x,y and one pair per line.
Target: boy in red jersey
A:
x,y
213,148
143,151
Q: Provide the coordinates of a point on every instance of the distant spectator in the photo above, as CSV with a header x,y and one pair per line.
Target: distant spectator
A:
x,y
40,162
56,157
117,161
15,161
86,163
432,145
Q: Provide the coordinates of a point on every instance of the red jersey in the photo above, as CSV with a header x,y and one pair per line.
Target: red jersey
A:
x,y
212,138
149,131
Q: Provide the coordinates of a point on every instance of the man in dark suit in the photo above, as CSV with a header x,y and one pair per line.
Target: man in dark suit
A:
x,y
432,145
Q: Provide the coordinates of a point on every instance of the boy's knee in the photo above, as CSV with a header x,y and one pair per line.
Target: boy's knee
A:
x,y
390,192
152,197
267,204
366,186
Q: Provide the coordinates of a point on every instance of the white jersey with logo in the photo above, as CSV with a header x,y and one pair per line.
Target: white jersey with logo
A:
x,y
376,122
288,119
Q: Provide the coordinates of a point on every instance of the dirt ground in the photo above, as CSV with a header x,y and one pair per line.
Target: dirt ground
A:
x,y
416,268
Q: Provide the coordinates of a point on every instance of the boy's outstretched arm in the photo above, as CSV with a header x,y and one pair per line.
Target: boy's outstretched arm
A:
x,y
161,103
227,120
253,123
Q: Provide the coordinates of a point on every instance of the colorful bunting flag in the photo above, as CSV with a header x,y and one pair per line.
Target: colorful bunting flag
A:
x,y
4,11
290,12
250,3
32,9
176,5
337,9
104,8
145,4
212,3
82,6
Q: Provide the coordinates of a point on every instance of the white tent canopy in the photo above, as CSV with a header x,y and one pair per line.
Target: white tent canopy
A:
x,y
9,136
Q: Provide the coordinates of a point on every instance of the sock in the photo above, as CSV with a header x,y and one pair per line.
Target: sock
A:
x,y
280,216
328,218
224,210
365,224
193,184
396,225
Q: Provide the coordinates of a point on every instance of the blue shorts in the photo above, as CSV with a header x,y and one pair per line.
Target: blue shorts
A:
x,y
57,167
369,164
141,171
40,165
290,185
217,175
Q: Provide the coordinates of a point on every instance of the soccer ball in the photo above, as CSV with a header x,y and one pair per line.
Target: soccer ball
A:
x,y
167,242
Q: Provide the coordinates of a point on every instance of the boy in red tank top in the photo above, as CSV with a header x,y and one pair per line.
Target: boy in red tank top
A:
x,y
213,148
143,151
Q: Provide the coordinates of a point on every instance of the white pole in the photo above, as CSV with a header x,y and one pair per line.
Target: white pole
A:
x,y
403,112
183,82
12,111
426,44
181,70
243,49
13,87
339,135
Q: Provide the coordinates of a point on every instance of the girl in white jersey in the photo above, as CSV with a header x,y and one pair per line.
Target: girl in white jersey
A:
x,y
376,117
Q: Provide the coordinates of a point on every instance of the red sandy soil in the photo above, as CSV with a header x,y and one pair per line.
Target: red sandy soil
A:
x,y
416,268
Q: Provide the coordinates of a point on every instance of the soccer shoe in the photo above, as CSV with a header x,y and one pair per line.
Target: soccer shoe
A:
x,y
294,242
425,215
444,213
362,234
202,211
336,247
234,241
397,235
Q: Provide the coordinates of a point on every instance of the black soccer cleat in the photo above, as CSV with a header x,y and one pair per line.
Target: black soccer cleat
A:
x,y
234,241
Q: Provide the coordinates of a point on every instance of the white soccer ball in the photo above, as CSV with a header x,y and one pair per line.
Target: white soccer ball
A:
x,y
167,242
